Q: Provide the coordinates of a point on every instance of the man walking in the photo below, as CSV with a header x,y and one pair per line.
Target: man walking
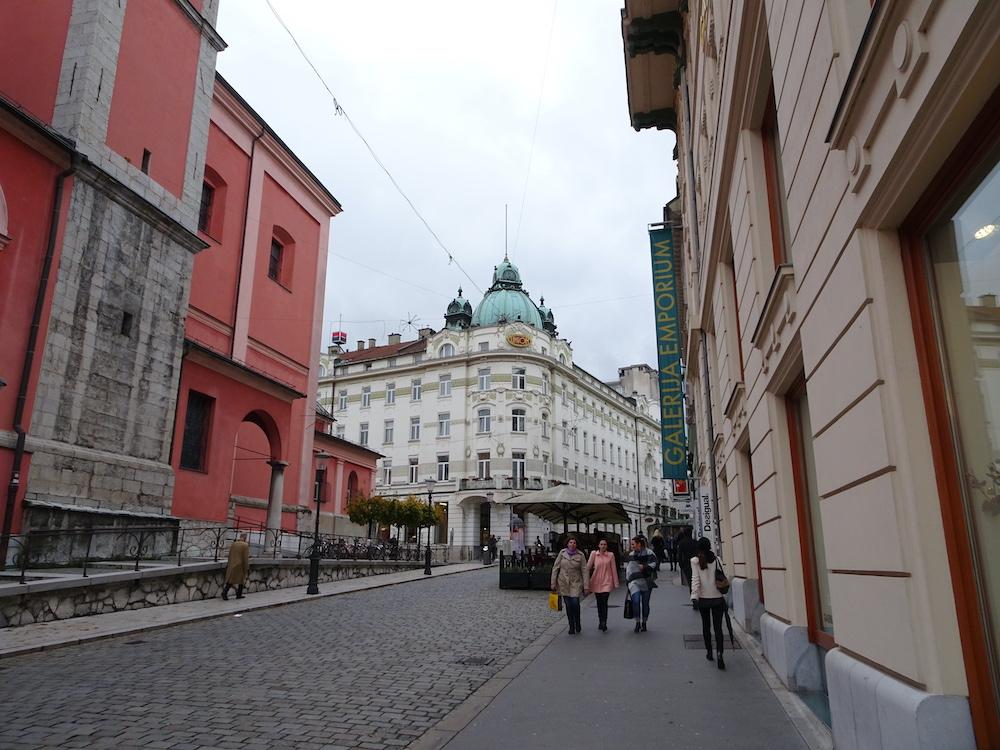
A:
x,y
238,567
686,549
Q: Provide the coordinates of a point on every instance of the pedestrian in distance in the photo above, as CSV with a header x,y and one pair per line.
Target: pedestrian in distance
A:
x,y
671,544
571,580
686,549
238,567
603,580
659,546
707,599
639,572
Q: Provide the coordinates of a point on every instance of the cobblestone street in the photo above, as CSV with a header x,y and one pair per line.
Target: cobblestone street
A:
x,y
373,669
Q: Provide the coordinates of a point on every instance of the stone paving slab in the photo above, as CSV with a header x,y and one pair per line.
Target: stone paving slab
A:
x,y
623,689
44,635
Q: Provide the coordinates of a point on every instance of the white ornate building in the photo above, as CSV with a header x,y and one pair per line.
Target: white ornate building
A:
x,y
492,406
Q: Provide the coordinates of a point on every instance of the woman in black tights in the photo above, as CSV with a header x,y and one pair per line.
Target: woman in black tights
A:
x,y
707,598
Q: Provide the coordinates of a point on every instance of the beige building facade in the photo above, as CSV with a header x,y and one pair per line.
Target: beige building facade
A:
x,y
837,213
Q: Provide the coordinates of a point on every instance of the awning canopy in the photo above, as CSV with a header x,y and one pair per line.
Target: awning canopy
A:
x,y
565,503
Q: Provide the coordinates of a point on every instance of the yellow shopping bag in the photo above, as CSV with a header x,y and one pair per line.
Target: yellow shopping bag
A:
x,y
554,604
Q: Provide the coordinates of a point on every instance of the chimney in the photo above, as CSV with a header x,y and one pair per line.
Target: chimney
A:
x,y
393,338
425,332
987,300
361,345
371,343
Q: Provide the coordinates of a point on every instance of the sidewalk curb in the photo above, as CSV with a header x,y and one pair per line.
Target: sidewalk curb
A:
x,y
814,732
442,733
240,608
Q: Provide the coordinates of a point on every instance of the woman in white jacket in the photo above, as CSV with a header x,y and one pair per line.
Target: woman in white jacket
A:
x,y
707,598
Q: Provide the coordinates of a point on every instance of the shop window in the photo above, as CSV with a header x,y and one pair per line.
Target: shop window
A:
x,y
959,307
819,609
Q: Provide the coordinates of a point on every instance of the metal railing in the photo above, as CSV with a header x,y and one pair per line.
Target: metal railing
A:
x,y
84,548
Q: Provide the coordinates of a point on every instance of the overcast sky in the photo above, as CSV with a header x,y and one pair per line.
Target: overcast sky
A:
x,y
446,93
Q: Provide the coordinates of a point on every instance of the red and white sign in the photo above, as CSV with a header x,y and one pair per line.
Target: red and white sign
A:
x,y
681,487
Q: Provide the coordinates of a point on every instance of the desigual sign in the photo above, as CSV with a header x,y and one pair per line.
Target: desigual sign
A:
x,y
520,340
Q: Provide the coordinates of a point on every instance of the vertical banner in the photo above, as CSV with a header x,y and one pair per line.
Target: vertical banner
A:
x,y
668,351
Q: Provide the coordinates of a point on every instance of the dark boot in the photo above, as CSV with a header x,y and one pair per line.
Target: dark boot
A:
x,y
710,656
638,625
239,591
643,626
720,662
225,592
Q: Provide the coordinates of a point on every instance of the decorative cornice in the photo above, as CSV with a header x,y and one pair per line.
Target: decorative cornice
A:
x,y
661,119
660,34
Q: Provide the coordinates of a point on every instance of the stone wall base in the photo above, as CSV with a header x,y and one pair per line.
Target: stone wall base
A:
x,y
747,607
791,655
47,601
874,710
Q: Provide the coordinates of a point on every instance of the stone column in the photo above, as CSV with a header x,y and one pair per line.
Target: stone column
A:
x,y
275,496
338,488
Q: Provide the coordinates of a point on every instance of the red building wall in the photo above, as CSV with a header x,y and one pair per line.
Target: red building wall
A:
x,y
216,270
154,90
27,182
32,40
282,313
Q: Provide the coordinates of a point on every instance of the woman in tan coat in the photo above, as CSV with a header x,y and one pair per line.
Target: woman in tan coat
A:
x,y
238,567
571,580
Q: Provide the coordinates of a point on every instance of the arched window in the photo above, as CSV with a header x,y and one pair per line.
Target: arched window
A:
x,y
352,488
211,212
446,350
562,359
322,371
545,425
518,417
484,420
281,257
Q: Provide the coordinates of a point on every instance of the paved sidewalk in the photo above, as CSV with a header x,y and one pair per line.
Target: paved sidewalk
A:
x,y
45,635
623,689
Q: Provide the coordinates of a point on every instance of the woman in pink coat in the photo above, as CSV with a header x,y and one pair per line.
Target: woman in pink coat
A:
x,y
603,579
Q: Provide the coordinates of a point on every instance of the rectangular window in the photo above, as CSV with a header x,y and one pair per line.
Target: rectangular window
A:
x,y
517,468
565,400
518,419
197,421
483,465
339,431
545,464
205,209
484,346
774,182
619,456
389,429
545,384
604,450
565,430
565,470
363,434
444,386
545,425
387,471
341,400
444,424
366,397
274,261
594,443
484,420
586,448
414,469
416,390
414,428
576,441
390,393
517,379
442,468
819,612
484,379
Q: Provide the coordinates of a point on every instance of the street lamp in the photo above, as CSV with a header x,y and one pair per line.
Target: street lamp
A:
x,y
320,459
427,550
485,542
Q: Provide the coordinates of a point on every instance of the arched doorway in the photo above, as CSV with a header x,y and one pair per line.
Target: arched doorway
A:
x,y
352,488
257,483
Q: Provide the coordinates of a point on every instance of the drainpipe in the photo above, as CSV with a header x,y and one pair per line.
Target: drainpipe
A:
x,y
14,483
696,238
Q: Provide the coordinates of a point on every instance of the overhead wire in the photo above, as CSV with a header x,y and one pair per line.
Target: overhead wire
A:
x,y
342,112
534,132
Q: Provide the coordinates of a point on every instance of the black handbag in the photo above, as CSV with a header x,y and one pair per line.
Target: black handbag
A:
x,y
721,580
627,610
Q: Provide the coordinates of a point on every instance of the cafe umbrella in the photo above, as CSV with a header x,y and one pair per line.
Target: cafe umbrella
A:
x,y
565,503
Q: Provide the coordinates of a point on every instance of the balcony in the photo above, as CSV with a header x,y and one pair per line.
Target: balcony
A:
x,y
474,483
522,483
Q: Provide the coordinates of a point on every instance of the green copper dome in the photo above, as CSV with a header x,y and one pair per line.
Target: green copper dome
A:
x,y
506,301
